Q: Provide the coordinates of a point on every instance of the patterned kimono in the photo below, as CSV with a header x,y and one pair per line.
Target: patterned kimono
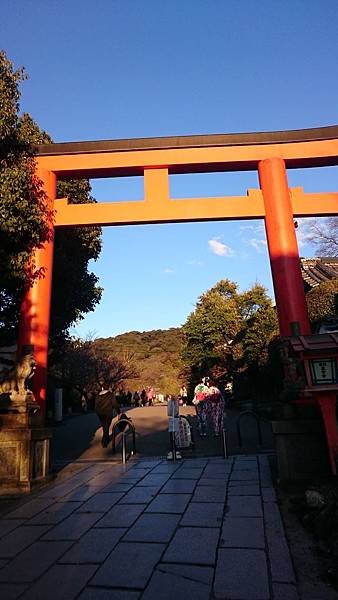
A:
x,y
215,409
200,396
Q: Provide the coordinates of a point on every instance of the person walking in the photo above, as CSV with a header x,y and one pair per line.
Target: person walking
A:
x,y
184,395
201,393
150,396
106,408
215,409
143,397
136,398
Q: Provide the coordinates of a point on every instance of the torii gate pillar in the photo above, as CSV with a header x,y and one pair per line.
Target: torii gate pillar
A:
x,y
283,249
35,309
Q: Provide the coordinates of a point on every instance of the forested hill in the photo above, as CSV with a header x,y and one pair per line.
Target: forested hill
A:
x,y
156,356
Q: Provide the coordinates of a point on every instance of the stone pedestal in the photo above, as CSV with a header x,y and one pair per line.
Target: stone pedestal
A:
x,y
24,453
301,449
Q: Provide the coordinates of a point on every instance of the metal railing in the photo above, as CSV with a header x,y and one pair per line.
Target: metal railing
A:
x,y
129,428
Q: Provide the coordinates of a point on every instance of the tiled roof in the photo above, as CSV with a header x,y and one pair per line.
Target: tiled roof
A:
x,y
318,270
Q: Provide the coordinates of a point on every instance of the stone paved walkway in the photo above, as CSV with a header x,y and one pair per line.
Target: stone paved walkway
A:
x,y
201,529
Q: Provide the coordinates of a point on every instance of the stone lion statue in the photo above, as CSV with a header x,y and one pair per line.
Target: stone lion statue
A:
x,y
14,379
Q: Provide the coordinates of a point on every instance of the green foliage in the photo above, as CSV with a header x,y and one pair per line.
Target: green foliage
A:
x,y
24,223
155,354
75,289
322,301
228,334
24,216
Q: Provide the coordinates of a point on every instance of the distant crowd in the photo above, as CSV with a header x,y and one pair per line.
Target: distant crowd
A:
x,y
148,397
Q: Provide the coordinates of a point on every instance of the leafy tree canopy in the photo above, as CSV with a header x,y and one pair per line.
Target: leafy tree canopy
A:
x,y
24,223
228,331
24,216
322,301
157,355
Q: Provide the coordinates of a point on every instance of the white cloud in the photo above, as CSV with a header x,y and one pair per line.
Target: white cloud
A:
x,y
257,228
167,270
257,244
195,263
219,248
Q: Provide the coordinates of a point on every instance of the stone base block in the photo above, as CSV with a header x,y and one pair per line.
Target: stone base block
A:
x,y
24,458
301,449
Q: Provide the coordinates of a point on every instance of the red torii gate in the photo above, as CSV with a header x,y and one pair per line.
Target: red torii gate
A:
x,y
155,159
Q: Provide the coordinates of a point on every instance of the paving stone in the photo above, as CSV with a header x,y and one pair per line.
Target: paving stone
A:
x,y
91,593
33,562
179,486
265,476
61,582
166,586
249,489
241,575
100,502
94,546
61,490
140,495
8,525
285,591
203,514
221,477
209,494
280,561
244,506
243,532
195,463
166,468
216,471
121,515
82,493
269,495
55,513
169,503
263,460
104,479
244,465
193,545
19,539
118,487
187,474
149,464
251,475
219,482
30,509
73,527
138,473
158,479
129,565
11,591
197,573
152,528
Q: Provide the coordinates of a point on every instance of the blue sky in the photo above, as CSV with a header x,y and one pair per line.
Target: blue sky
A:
x,y
140,68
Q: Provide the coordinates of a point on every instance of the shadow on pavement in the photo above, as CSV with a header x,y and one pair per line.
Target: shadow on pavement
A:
x,y
79,437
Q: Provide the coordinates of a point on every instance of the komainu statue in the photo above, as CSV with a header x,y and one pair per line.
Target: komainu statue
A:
x,y
13,381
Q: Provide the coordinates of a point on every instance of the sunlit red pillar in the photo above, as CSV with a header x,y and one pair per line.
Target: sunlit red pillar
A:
x,y
283,249
35,309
